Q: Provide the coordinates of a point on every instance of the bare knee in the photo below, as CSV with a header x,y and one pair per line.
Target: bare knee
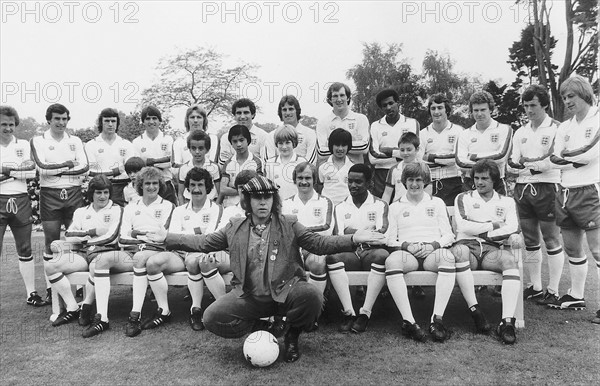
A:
x,y
461,253
315,264
395,261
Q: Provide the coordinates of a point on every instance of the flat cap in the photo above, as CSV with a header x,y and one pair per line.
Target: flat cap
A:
x,y
260,185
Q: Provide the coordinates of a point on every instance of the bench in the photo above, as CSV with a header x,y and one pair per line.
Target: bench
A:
x,y
355,279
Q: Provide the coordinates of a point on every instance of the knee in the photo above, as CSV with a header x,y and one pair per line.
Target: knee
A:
x,y
191,264
154,266
380,256
395,261
461,253
508,261
315,264
333,259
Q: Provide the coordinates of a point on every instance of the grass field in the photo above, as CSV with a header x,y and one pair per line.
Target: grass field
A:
x,y
556,347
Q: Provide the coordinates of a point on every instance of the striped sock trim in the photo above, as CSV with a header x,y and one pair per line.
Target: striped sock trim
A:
x,y
91,280
156,277
102,273
25,259
447,270
47,257
196,278
511,274
555,251
315,277
140,272
534,248
336,266
378,269
55,278
210,274
463,267
578,260
393,272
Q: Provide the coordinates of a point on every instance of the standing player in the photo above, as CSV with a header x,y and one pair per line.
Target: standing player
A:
x,y
339,96
360,211
15,206
484,219
239,138
333,173
92,235
61,163
156,149
576,150
315,212
199,144
108,152
535,193
438,144
199,216
486,139
289,112
195,120
385,136
244,111
280,168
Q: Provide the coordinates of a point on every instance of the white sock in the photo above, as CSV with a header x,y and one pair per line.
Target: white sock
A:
x,y
556,262
375,282
160,288
533,266
214,282
578,267
443,289
102,289
340,283
140,284
90,292
319,281
511,290
62,286
466,283
196,287
397,286
27,269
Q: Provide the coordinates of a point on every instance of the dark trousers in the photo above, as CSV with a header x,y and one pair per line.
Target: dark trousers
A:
x,y
232,316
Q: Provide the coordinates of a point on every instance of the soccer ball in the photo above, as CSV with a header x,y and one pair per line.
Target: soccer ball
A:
x,y
261,349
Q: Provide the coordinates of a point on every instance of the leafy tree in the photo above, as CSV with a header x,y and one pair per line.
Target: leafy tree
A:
x,y
268,127
523,58
440,77
28,128
197,76
84,134
309,121
508,103
379,69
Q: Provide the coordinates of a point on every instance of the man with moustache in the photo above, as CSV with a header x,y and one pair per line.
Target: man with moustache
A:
x,y
385,137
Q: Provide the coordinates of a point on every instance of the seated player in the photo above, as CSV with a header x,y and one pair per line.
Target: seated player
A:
x,y
280,168
15,205
239,138
199,144
484,219
148,214
360,211
266,265
419,233
315,212
408,150
333,173
199,216
132,168
93,233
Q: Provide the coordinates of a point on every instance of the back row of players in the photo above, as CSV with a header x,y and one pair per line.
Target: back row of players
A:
x,y
542,154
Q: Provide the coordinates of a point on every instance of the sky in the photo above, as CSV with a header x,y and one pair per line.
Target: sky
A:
x,y
92,55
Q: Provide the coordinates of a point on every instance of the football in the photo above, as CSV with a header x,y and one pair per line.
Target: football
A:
x,y
261,349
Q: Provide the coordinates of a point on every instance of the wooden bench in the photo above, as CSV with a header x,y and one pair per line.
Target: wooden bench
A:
x,y
355,279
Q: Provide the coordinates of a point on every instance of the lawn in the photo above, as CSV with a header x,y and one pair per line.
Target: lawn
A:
x,y
556,347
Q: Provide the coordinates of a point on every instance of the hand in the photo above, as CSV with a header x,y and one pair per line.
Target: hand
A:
x,y
157,236
424,251
135,233
6,170
498,224
149,161
101,231
515,241
369,237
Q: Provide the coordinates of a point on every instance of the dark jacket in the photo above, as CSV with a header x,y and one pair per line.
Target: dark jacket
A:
x,y
285,266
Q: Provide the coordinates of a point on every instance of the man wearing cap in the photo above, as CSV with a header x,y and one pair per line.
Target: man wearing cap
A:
x,y
267,267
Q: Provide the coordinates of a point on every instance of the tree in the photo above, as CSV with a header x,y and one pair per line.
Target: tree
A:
x,y
381,69
309,121
579,58
197,76
28,128
84,134
522,55
440,77
130,125
508,103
